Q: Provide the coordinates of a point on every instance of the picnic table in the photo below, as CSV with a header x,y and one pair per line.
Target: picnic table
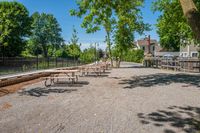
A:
x,y
97,69
56,75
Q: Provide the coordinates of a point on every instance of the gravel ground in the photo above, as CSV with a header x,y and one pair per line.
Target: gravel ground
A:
x,y
130,99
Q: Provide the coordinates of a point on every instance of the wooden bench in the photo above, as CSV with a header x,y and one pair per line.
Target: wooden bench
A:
x,y
86,70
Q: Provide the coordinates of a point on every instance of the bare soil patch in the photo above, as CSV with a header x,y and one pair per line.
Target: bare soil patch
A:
x,y
14,88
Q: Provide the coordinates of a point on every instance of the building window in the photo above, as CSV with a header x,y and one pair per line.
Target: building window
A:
x,y
143,48
153,48
194,54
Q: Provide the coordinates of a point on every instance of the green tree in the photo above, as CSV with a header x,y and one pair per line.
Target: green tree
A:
x,y
46,34
63,51
100,53
192,14
134,56
107,13
14,28
74,48
96,14
88,55
172,25
129,21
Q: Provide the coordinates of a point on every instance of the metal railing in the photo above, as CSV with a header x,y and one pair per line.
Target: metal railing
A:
x,y
11,65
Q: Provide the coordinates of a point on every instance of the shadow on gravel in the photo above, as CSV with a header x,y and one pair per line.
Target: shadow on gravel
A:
x,y
97,76
135,66
3,91
161,79
69,84
184,118
38,91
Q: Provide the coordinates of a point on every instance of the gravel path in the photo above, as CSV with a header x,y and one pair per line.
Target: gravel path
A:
x,y
130,99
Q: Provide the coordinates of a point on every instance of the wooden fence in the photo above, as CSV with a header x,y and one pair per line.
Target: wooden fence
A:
x,y
179,64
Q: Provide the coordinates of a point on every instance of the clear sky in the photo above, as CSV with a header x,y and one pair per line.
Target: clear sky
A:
x,y
60,9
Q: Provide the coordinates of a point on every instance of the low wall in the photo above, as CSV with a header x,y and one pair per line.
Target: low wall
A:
x,y
18,78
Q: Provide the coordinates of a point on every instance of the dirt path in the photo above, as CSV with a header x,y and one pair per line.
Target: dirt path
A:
x,y
131,99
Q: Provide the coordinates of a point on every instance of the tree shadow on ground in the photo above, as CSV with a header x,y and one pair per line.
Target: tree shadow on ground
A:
x,y
134,66
161,79
186,119
70,84
96,76
39,91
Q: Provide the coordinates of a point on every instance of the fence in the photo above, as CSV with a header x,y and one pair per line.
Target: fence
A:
x,y
179,64
11,65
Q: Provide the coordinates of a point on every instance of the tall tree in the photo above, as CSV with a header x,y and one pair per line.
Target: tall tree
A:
x,y
46,33
129,21
172,25
193,15
106,13
74,47
96,14
14,28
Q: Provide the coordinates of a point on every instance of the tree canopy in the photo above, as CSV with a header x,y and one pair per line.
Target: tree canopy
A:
x,y
192,14
96,14
112,15
46,33
74,50
172,24
14,28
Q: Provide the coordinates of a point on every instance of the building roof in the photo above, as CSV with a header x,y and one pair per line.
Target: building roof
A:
x,y
145,42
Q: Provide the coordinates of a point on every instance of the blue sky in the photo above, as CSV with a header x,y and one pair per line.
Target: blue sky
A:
x,y
60,9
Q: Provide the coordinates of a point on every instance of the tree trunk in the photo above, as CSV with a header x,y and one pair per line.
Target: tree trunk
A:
x,y
109,47
192,15
120,58
45,51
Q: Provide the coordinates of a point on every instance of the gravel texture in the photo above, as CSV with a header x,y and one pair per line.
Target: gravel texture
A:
x,y
131,99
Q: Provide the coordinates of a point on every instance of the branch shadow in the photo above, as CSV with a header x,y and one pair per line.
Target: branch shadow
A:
x,y
184,118
70,84
161,79
134,66
39,91
97,76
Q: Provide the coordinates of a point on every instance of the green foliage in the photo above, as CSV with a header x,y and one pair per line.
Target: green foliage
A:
x,y
172,25
46,34
91,54
62,52
130,55
96,14
88,55
73,48
14,28
129,21
125,14
134,56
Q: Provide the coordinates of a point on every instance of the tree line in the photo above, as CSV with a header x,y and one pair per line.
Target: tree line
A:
x,y
120,19
39,34
22,34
